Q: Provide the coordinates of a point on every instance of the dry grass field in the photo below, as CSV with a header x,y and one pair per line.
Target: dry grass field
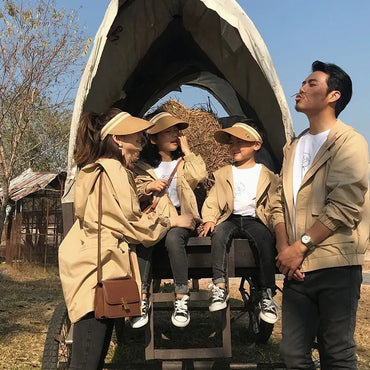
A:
x,y
30,294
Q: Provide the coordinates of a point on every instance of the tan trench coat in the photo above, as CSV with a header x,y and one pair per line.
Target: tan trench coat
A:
x,y
335,191
123,226
219,204
189,174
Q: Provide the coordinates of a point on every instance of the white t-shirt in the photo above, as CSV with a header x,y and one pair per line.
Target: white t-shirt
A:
x,y
306,150
245,189
163,171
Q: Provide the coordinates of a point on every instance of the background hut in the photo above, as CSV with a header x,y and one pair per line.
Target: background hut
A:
x,y
34,225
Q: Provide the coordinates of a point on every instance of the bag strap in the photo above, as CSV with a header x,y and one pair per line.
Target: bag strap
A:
x,y
99,227
152,207
173,172
100,197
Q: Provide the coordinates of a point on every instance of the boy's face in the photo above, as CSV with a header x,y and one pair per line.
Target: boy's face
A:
x,y
243,151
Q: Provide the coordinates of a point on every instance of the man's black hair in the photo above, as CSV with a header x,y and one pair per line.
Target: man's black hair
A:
x,y
338,80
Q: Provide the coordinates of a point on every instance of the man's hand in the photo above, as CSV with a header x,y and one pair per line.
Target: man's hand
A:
x,y
209,226
289,260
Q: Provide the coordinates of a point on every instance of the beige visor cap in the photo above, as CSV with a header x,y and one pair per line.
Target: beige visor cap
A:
x,y
124,124
239,130
164,120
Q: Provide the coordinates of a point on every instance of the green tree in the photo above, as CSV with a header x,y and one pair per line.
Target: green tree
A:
x,y
40,51
45,142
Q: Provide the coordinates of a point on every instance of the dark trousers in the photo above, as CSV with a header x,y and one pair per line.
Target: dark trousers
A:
x,y
91,339
260,240
175,243
324,305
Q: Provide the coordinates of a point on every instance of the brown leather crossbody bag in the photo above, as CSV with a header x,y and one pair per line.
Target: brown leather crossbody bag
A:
x,y
114,298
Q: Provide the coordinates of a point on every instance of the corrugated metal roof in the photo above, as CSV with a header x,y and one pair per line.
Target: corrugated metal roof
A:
x,y
29,182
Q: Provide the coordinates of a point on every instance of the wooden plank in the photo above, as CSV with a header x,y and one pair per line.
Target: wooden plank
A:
x,y
169,297
188,353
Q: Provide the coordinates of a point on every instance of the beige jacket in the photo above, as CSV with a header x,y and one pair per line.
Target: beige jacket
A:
x,y
189,174
123,226
219,204
335,191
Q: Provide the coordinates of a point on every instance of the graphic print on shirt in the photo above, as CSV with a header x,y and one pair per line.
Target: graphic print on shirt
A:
x,y
306,162
240,189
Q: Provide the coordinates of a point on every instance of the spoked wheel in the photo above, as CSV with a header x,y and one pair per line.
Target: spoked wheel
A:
x,y
265,331
58,344
260,330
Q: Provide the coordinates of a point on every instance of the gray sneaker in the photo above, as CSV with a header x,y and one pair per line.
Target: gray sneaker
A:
x,y
218,298
268,307
181,315
139,321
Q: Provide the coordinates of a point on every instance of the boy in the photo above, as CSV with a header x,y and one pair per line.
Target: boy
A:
x,y
237,206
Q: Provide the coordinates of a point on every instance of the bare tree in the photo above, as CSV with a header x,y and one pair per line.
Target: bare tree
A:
x,y
40,49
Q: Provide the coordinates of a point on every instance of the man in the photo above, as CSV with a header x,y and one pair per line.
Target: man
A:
x,y
321,219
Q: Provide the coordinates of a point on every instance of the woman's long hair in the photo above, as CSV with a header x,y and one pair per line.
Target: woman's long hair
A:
x,y
89,147
150,153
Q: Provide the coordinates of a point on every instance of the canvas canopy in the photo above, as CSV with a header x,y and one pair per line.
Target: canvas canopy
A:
x,y
146,48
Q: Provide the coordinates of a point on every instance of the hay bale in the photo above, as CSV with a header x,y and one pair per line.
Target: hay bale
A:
x,y
202,125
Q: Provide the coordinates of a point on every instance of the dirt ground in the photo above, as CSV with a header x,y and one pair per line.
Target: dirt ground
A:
x,y
29,295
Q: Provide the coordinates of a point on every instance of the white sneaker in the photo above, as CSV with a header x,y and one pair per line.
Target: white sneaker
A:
x,y
218,298
139,321
268,307
181,315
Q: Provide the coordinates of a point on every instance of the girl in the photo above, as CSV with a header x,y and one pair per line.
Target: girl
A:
x,y
167,148
107,145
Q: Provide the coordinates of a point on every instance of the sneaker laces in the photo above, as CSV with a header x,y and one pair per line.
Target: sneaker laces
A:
x,y
144,307
217,293
268,303
181,306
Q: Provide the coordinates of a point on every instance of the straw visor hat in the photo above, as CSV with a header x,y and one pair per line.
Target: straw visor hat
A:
x,y
164,120
124,124
239,130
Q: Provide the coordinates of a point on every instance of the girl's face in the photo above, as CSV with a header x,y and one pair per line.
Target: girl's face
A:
x,y
131,147
167,140
243,151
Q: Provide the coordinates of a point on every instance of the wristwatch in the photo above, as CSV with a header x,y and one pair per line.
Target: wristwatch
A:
x,y
306,240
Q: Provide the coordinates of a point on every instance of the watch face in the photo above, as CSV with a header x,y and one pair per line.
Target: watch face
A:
x,y
306,239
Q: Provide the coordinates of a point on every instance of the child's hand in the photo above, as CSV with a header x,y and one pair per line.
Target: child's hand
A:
x,y
183,141
157,185
208,226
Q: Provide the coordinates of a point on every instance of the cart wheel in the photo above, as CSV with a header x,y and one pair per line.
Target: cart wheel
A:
x,y
57,350
265,331
259,330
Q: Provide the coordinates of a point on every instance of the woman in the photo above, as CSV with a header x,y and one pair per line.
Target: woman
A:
x,y
110,143
167,153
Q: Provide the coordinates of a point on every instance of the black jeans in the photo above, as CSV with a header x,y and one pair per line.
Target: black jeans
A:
x,y
175,242
324,305
91,339
260,240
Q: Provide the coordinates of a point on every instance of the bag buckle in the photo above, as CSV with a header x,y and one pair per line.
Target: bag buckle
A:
x,y
125,306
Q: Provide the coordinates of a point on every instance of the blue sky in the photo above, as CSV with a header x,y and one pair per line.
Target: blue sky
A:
x,y
296,33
